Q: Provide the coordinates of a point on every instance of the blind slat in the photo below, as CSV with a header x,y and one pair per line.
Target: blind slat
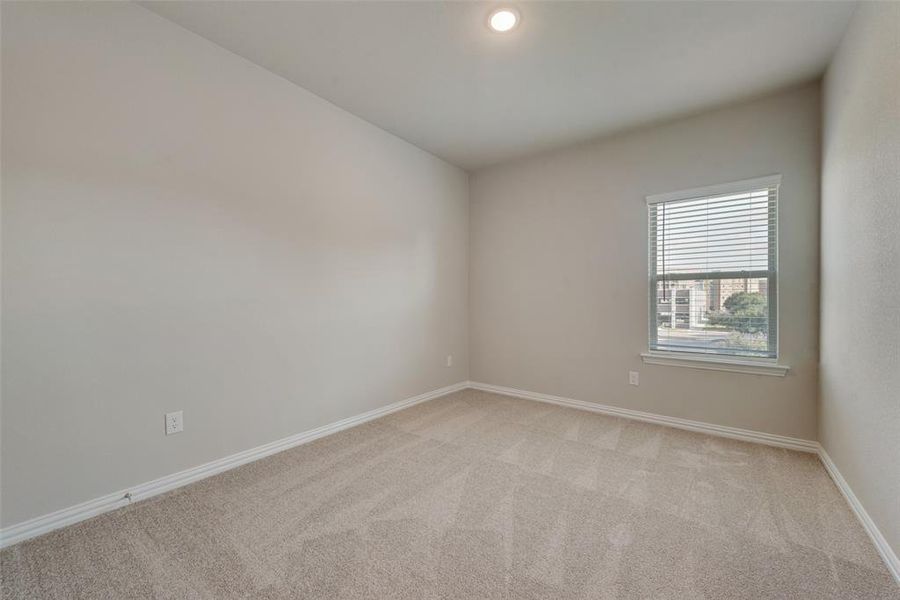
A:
x,y
671,225
718,208
703,208
731,235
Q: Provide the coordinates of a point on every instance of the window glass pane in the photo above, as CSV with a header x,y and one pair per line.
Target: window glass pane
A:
x,y
720,316
713,263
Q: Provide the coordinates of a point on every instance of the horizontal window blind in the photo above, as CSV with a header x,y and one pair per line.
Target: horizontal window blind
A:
x,y
713,271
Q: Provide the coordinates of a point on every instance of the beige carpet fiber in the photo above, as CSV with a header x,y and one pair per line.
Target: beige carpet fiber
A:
x,y
476,495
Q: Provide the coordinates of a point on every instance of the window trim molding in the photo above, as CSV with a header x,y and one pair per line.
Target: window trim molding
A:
x,y
716,362
719,362
716,190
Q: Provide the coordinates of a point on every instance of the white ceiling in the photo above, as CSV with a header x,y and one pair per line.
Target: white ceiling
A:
x,y
433,74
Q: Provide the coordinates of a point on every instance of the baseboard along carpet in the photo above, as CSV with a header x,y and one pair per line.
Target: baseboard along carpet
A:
x,y
477,495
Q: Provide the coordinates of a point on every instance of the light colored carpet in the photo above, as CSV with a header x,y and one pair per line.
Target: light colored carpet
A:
x,y
476,495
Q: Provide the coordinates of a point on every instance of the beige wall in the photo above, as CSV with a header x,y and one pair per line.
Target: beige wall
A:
x,y
859,414
558,265
185,230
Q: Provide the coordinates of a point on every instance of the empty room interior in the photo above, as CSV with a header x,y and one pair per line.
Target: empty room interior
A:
x,y
450,300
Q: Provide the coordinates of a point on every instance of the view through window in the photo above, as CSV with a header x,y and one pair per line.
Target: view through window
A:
x,y
713,271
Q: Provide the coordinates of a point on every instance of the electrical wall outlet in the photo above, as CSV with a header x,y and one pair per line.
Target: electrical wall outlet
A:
x,y
634,378
449,360
174,422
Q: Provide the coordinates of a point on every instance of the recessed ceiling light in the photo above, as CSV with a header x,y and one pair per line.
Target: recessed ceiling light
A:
x,y
503,19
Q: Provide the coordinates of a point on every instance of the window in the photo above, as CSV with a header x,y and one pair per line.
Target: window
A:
x,y
713,270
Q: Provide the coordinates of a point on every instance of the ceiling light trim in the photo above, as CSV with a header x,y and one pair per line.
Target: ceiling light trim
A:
x,y
498,19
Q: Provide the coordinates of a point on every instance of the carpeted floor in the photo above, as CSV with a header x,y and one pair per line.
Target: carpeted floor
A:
x,y
481,496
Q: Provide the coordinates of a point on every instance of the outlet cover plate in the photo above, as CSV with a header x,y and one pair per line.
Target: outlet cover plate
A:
x,y
174,422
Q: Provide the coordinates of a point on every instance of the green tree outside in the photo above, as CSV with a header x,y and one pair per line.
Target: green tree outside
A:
x,y
747,312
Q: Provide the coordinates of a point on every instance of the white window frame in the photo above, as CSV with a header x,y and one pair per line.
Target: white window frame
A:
x,y
710,361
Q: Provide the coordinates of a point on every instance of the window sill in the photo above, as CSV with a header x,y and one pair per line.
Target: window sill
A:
x,y
749,366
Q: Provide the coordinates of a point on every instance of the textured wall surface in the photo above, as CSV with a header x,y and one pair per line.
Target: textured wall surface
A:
x,y
185,230
859,415
558,279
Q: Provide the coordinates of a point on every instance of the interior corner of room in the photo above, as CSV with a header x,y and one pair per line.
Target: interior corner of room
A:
x,y
453,284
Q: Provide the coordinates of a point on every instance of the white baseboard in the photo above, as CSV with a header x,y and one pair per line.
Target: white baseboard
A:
x,y
746,435
68,516
887,553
